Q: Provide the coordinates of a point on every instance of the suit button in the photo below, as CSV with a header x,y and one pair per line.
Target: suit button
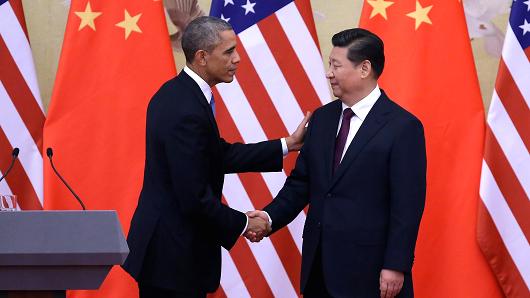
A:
x,y
328,195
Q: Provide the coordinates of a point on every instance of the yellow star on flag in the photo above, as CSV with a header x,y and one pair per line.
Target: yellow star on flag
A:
x,y
130,24
420,14
87,17
379,7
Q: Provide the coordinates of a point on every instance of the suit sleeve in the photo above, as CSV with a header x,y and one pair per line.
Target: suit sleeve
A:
x,y
186,148
260,157
407,196
294,195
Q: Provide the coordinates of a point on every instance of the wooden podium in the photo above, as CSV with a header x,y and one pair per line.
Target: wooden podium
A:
x,y
45,253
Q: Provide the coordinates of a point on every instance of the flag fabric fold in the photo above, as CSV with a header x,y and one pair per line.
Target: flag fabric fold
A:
x,y
430,71
115,56
21,112
503,227
280,77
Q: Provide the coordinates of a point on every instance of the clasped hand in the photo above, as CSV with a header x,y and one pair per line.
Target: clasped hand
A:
x,y
258,226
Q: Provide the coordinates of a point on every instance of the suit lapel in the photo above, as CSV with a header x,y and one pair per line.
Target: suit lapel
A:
x,y
374,121
331,124
188,81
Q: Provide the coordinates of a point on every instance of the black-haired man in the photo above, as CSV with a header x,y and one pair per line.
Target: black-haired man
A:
x,y
362,171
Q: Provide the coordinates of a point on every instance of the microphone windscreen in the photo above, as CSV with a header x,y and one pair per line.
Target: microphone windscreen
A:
x,y
15,152
49,152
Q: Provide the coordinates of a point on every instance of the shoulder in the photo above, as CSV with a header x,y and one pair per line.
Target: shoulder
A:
x,y
330,106
327,109
175,97
172,88
400,115
175,105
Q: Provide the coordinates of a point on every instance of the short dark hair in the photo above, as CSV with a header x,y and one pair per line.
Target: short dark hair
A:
x,y
362,45
202,34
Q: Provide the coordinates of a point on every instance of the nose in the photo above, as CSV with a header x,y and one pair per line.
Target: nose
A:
x,y
329,74
236,59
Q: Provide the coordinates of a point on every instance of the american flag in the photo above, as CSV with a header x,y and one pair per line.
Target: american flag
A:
x,y
280,77
21,111
504,211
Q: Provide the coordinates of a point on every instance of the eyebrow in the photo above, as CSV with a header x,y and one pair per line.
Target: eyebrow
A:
x,y
230,49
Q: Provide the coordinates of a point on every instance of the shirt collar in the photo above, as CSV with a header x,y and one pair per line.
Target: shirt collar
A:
x,y
363,106
205,88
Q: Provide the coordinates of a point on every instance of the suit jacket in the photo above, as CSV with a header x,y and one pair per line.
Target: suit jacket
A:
x,y
366,216
180,223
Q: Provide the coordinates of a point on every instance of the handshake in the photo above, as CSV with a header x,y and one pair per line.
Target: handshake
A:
x,y
258,227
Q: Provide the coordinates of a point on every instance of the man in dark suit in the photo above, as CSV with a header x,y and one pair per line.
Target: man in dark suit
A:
x,y
362,171
180,223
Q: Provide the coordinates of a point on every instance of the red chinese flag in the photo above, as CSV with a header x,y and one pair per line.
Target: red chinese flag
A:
x,y
115,56
430,71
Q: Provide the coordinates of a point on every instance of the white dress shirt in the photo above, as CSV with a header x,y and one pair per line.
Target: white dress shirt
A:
x,y
361,110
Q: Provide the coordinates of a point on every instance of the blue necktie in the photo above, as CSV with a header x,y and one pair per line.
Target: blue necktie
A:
x,y
212,105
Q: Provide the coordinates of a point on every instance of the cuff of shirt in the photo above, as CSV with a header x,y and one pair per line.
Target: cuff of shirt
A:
x,y
285,150
246,226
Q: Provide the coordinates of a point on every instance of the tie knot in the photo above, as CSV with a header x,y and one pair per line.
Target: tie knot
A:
x,y
347,114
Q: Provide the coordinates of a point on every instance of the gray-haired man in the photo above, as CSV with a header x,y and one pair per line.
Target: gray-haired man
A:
x,y
180,223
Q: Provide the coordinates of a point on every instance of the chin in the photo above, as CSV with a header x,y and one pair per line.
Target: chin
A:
x,y
228,79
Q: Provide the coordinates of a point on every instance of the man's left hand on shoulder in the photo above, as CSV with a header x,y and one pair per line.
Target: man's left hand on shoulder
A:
x,y
390,283
296,140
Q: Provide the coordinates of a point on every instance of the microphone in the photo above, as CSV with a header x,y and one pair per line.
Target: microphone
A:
x,y
49,153
14,154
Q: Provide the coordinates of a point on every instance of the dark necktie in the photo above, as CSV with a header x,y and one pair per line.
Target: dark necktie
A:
x,y
212,105
340,142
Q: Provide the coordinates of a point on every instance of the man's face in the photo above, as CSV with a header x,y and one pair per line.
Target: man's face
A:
x,y
344,77
222,61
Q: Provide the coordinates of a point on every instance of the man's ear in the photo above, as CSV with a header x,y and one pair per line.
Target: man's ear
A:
x,y
366,69
200,57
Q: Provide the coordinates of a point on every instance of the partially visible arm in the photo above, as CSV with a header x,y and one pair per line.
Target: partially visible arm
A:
x,y
260,157
263,156
294,195
408,166
186,146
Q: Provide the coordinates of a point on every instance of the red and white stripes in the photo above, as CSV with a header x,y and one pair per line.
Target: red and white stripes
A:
x,y
21,111
504,211
281,76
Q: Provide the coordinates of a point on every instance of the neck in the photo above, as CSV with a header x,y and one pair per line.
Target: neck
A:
x,y
201,73
354,97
